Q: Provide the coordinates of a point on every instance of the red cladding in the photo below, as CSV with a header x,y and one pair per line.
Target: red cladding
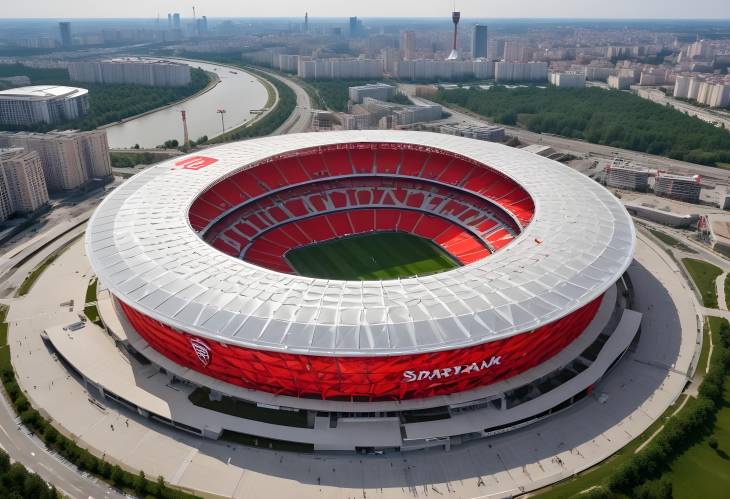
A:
x,y
396,377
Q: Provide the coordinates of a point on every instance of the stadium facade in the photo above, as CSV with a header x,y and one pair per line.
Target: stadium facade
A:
x,y
194,250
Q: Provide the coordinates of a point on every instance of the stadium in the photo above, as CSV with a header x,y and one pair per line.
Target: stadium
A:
x,y
430,288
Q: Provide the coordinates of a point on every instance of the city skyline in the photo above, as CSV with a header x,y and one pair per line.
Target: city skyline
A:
x,y
574,9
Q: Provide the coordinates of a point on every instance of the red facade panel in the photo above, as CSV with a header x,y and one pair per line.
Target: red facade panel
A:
x,y
396,377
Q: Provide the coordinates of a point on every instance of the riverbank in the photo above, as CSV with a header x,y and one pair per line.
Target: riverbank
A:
x,y
214,80
236,92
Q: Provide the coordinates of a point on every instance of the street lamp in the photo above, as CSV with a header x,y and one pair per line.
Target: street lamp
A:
x,y
223,124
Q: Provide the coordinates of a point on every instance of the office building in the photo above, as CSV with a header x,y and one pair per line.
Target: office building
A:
x,y
288,63
22,183
479,45
176,20
489,133
133,71
380,91
568,79
332,69
439,70
26,106
515,51
408,45
401,115
624,175
683,188
355,27
505,72
65,30
618,82
69,158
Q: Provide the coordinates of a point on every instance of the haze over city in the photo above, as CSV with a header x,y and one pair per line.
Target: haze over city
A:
x,y
570,9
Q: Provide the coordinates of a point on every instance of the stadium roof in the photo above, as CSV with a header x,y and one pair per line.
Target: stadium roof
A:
x,y
143,249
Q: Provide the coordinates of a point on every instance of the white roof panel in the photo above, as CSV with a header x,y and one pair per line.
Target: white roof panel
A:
x,y
142,247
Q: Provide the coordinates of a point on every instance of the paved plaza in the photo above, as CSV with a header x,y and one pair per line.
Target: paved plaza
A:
x,y
633,395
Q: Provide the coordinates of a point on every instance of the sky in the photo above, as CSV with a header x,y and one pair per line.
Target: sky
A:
x,y
612,9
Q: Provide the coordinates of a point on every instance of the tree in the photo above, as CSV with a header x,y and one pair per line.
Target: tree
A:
x,y
140,483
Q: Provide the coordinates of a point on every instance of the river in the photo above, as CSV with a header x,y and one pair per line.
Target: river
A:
x,y
238,93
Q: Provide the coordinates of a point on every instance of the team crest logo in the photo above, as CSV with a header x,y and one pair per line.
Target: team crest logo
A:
x,y
195,162
203,351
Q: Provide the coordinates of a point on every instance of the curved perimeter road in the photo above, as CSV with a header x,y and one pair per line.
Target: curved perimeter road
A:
x,y
300,119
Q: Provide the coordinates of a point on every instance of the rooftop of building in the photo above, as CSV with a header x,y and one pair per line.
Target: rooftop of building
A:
x,y
42,92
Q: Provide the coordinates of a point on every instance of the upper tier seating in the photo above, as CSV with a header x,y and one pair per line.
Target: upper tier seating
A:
x,y
359,159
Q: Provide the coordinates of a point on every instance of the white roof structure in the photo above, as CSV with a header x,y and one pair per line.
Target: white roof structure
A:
x,y
42,92
142,247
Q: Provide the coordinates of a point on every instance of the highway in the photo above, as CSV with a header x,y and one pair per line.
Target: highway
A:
x,y
300,118
581,148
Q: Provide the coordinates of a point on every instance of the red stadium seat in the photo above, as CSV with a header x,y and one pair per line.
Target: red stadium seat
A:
x,y
337,162
362,160
435,166
387,160
292,171
412,163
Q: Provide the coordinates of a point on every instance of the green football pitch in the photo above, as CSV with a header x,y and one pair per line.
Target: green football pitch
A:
x,y
377,256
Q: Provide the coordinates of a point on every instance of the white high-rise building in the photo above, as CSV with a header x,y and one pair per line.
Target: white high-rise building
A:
x,y
333,69
568,79
135,71
505,72
434,70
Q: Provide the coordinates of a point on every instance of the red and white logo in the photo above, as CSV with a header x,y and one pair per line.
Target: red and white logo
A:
x,y
195,162
203,351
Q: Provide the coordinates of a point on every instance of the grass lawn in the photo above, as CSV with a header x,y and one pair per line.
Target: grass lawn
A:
x,y
703,471
91,291
29,281
671,241
384,255
600,473
704,275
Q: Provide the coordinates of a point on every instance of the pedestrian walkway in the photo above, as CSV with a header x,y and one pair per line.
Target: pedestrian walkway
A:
x,y
623,405
720,284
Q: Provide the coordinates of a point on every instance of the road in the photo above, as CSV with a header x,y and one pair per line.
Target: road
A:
x,y
16,440
580,148
708,115
32,453
301,117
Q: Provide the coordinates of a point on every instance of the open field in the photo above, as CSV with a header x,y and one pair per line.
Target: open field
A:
x,y
387,255
704,275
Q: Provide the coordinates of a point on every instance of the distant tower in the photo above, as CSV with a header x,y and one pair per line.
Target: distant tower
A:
x,y
454,55
176,20
306,22
65,28
169,20
479,41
